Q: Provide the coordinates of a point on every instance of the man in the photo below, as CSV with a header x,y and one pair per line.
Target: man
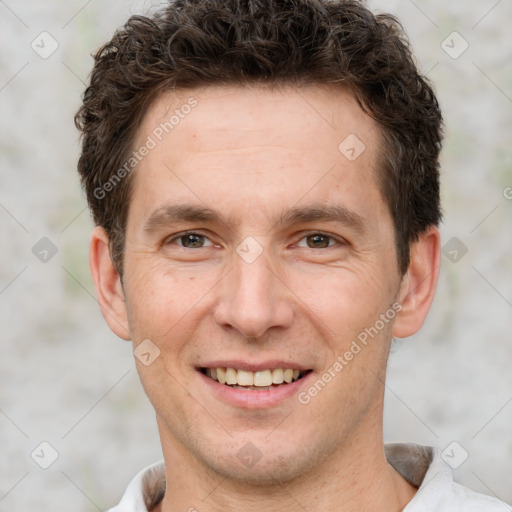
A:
x,y
264,180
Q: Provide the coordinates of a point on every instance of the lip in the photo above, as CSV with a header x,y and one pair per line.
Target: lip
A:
x,y
254,399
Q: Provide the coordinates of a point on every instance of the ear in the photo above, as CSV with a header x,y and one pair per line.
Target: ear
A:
x,y
108,284
419,283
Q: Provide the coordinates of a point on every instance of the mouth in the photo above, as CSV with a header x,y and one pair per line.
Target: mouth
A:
x,y
262,380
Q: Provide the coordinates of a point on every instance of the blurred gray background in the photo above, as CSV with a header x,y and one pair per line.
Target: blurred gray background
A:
x,y
67,381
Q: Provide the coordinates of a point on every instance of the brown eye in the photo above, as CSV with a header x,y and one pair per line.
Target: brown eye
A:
x,y
191,241
318,241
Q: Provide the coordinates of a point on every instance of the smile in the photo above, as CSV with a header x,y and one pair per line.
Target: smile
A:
x,y
259,380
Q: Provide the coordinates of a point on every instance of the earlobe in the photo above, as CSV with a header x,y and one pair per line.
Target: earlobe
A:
x,y
108,284
419,283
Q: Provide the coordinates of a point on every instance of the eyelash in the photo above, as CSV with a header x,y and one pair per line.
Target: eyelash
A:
x,y
172,239
304,236
321,233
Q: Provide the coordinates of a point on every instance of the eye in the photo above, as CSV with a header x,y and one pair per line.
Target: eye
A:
x,y
317,241
191,240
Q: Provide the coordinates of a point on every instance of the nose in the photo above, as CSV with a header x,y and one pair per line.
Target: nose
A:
x,y
254,299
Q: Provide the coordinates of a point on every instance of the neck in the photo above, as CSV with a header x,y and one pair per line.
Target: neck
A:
x,y
356,477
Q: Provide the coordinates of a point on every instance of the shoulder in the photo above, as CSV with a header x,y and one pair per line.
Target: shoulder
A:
x,y
425,468
144,491
460,498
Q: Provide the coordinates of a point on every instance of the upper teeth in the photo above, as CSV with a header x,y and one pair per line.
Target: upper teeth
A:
x,y
262,378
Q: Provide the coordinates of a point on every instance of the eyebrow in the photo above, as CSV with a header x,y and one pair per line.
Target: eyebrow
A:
x,y
321,213
175,213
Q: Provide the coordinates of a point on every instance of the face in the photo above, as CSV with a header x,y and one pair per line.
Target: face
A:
x,y
255,244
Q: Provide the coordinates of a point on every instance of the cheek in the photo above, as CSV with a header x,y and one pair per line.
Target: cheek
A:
x,y
345,299
165,302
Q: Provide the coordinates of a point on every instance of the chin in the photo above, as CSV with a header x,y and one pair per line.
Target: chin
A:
x,y
258,461
270,470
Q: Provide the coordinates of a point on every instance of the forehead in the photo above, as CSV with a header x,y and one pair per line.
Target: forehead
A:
x,y
257,146
257,112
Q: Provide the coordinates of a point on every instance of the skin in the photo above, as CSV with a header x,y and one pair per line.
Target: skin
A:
x,y
251,155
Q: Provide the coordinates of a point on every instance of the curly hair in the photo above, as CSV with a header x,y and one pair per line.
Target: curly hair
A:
x,y
197,43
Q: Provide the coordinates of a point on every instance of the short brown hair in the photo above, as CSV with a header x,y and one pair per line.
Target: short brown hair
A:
x,y
196,43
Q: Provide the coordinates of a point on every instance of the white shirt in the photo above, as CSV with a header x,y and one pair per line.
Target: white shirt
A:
x,y
421,466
